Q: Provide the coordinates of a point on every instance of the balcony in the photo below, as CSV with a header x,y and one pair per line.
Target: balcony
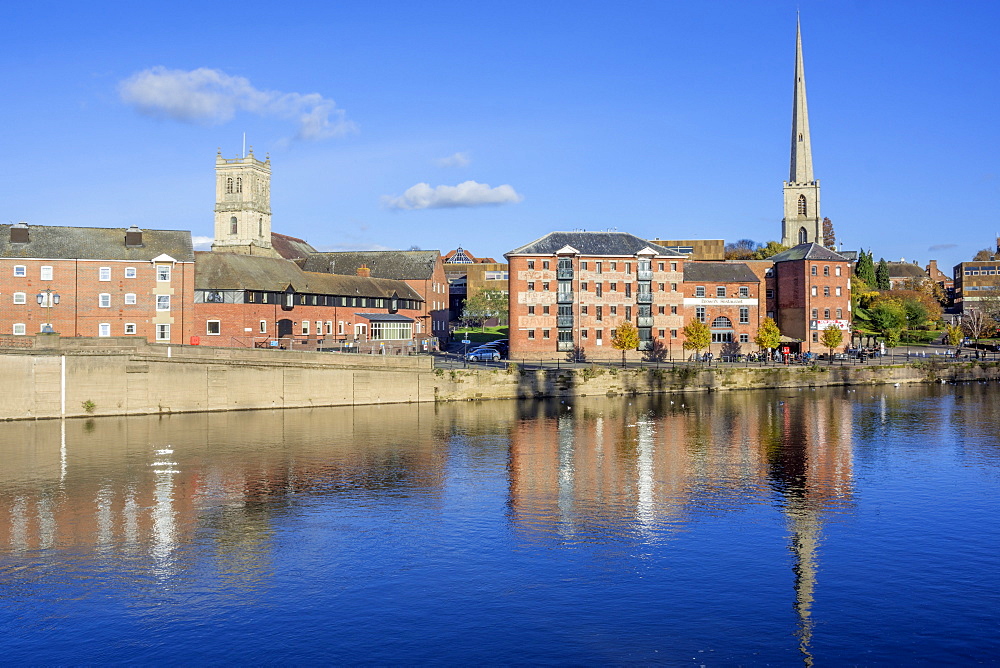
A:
x,y
644,297
564,297
644,321
564,273
564,346
564,321
644,275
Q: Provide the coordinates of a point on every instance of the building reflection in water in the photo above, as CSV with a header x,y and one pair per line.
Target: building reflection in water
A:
x,y
648,466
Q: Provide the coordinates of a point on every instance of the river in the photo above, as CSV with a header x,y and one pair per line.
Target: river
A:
x,y
835,526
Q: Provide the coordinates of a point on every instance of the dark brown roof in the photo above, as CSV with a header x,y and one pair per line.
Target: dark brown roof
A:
x,y
230,271
905,270
96,243
399,265
719,272
808,251
614,244
290,248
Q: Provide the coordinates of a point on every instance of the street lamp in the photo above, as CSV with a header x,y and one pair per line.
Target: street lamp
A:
x,y
47,299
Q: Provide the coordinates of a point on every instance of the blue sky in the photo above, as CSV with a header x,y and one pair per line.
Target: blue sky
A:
x,y
663,119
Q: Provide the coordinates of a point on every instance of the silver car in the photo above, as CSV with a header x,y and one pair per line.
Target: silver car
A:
x,y
483,355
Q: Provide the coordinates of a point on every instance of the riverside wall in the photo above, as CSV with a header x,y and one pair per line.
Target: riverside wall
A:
x,y
77,377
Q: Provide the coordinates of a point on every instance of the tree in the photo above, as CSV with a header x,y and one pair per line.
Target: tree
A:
x,y
743,249
865,269
770,249
768,335
697,336
484,304
975,322
882,281
892,337
829,236
832,337
983,255
625,337
916,313
954,334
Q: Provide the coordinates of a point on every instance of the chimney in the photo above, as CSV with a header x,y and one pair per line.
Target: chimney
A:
x,y
364,271
19,233
133,237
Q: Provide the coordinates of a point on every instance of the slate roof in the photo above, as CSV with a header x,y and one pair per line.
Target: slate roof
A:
x,y
290,248
808,251
719,272
230,271
591,243
399,265
52,242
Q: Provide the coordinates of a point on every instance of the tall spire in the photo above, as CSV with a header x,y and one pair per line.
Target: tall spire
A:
x,y
802,164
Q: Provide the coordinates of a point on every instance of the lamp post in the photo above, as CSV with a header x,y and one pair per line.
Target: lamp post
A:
x,y
47,298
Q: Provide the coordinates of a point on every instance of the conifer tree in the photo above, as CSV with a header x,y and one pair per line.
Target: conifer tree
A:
x,y
882,275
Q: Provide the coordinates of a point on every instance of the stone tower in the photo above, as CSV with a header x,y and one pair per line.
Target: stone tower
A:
x,y
802,222
243,205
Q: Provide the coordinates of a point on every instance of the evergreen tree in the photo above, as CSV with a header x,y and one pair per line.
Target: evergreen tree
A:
x,y
882,275
829,236
865,268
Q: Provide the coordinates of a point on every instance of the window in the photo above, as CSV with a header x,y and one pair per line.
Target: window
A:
x,y
744,315
614,310
583,287
583,265
531,286
162,302
340,327
663,333
213,328
329,327
699,291
129,298
673,310
239,184
838,290
531,310
836,270
545,286
583,310
628,312
598,287
769,293
815,314
319,328
812,270
673,287
104,329
826,271
45,273
815,337
628,267
826,314
545,264
20,298
628,289
613,287
600,312
19,329
673,333
162,272
722,322
163,332
229,186
129,272
744,291
614,266
826,290
659,267
661,287
814,293
130,328
661,310
545,310
20,270
722,337
840,313
598,270
531,264
802,205
305,327
598,334
583,333
699,313
673,266
531,334
104,300
720,291
105,273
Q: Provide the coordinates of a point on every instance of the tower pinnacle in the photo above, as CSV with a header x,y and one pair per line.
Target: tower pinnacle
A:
x,y
802,165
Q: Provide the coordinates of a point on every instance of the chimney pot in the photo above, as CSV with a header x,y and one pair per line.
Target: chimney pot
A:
x,y
19,233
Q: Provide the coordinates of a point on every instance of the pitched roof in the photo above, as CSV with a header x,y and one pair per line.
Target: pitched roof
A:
x,y
808,251
96,243
591,243
905,270
399,265
230,271
719,272
290,248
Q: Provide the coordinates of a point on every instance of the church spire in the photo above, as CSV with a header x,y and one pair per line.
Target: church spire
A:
x,y
802,164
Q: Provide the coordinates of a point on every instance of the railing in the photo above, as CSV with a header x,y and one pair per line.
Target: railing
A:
x,y
564,321
644,321
564,273
644,275
564,346
564,297
644,297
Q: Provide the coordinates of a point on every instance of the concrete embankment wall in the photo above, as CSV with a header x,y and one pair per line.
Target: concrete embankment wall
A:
x,y
91,377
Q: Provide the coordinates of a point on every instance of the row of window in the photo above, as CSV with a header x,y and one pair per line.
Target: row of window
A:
x,y
641,265
565,286
826,314
720,291
103,329
826,291
722,321
826,270
104,300
643,310
289,299
982,271
103,273
717,337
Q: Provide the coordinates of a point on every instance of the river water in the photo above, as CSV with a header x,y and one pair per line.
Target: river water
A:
x,y
835,526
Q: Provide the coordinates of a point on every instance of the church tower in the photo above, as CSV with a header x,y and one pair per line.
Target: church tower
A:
x,y
243,205
802,222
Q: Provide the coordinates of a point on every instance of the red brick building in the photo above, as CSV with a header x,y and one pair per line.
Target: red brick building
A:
x,y
812,290
85,281
726,297
570,290
257,301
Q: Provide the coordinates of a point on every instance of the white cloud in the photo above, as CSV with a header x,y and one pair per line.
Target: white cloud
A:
x,y
211,97
469,193
202,243
454,160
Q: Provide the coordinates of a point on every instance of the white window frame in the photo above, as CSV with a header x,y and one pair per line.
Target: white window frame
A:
x,y
163,332
45,273
104,300
744,291
163,273
104,329
305,328
129,272
104,274
218,328
20,297
329,327
129,298
20,329
20,270
162,302
130,328
263,326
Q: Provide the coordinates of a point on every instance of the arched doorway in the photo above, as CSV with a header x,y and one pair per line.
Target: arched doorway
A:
x,y
284,328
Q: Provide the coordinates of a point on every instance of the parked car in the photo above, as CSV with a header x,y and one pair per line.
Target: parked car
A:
x,y
483,355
